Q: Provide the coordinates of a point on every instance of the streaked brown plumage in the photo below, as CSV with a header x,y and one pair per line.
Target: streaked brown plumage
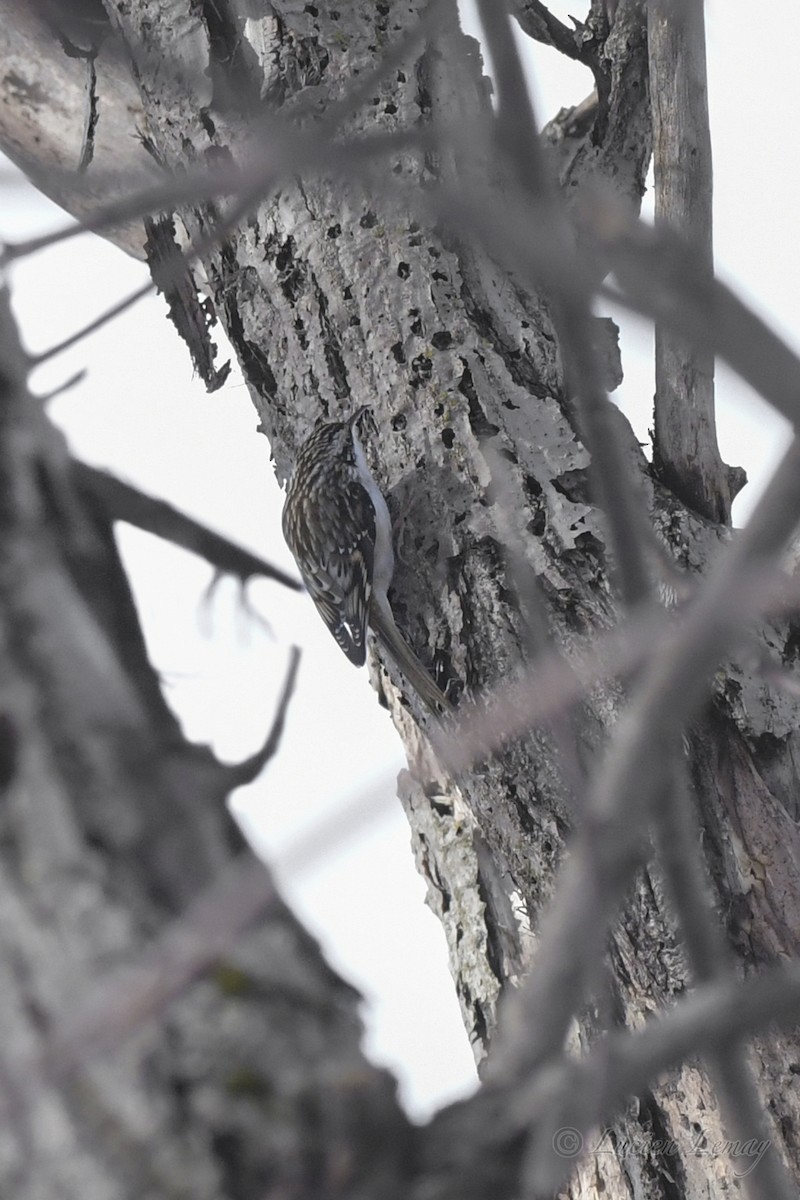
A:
x,y
337,526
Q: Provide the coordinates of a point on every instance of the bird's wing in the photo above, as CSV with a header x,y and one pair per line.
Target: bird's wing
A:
x,y
341,581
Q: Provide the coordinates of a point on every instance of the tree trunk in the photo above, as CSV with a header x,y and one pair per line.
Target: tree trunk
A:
x,y
337,291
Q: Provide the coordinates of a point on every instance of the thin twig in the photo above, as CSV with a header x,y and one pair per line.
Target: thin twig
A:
x,y
194,186
246,771
124,502
115,310
255,186
277,150
59,390
287,153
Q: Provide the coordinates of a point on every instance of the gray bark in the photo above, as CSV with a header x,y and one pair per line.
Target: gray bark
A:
x,y
68,105
334,294
685,451
111,825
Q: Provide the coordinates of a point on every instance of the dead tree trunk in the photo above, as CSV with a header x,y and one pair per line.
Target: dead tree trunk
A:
x,y
347,286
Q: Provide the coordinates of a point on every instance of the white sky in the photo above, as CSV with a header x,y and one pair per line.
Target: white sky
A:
x,y
142,414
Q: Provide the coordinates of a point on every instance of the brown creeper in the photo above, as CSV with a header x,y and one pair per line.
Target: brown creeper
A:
x,y
338,528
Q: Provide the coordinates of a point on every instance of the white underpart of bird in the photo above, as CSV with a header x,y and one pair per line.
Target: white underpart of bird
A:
x,y
381,616
383,559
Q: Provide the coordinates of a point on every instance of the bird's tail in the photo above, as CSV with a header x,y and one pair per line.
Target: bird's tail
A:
x,y
391,638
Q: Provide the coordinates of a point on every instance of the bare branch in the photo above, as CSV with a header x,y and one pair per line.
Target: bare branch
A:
x,y
518,139
610,843
659,277
535,19
123,502
246,771
61,388
549,688
110,314
679,847
685,451
194,186
271,140
553,683
625,1064
280,155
